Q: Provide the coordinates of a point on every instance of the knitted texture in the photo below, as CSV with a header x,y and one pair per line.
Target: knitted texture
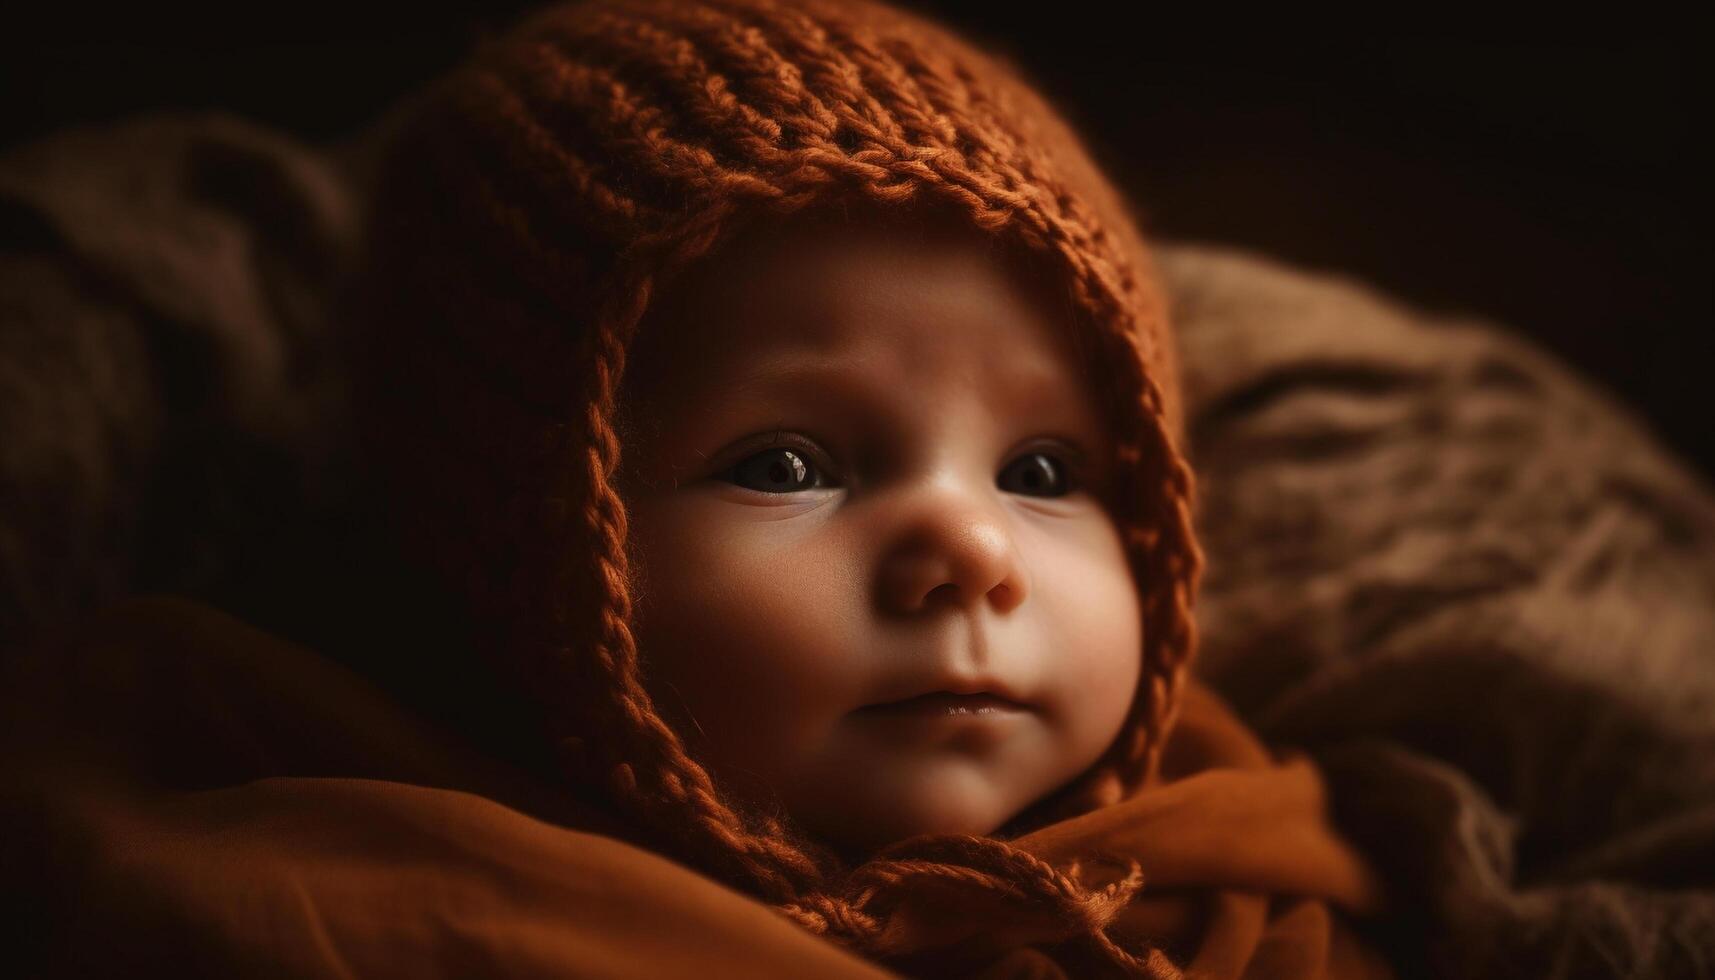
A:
x,y
525,210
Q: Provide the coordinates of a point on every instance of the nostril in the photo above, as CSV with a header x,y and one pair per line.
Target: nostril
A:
x,y
946,592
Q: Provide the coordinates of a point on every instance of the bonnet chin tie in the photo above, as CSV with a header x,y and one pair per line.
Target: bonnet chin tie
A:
x,y
931,896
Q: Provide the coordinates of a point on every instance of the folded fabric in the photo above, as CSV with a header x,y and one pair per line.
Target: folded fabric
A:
x,y
189,795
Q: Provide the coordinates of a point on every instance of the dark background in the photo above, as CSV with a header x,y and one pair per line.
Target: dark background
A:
x,y
1549,184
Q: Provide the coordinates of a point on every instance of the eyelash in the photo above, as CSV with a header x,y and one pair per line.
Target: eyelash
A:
x,y
1071,460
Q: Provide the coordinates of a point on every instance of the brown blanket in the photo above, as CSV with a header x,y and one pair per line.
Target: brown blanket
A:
x,y
201,797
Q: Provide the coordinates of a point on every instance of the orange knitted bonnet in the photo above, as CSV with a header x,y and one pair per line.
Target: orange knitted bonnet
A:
x,y
525,210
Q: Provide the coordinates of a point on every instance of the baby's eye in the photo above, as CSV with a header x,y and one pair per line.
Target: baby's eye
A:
x,y
1037,474
774,471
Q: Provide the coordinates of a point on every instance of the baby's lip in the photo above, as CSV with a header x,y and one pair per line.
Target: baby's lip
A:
x,y
954,693
945,703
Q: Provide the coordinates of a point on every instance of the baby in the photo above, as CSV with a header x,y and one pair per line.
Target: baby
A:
x,y
789,402
868,491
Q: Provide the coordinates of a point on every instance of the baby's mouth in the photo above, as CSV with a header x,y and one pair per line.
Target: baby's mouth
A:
x,y
944,703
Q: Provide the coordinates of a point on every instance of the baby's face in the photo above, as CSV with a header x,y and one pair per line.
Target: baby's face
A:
x,y
877,576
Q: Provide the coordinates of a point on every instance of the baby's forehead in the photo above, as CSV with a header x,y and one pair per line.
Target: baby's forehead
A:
x,y
849,290
903,330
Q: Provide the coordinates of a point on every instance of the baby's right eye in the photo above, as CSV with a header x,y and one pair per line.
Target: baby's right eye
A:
x,y
775,471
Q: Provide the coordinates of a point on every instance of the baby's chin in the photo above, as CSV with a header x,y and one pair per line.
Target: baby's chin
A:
x,y
859,817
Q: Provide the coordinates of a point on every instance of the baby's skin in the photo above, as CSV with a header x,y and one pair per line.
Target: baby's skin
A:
x,y
863,466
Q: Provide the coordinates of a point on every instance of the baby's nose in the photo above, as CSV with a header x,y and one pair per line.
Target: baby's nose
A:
x,y
952,549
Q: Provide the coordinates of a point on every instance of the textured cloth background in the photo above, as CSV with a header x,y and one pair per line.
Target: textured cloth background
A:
x,y
1468,584
1482,597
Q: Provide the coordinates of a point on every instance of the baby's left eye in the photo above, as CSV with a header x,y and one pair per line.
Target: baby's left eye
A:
x,y
775,470
1037,474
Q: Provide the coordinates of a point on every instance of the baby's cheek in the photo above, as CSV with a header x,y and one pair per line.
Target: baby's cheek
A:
x,y
1097,652
750,625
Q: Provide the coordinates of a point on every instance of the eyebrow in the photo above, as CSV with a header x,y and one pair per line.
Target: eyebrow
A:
x,y
1027,389
809,367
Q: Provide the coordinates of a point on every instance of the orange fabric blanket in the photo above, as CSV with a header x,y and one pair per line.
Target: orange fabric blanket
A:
x,y
190,795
